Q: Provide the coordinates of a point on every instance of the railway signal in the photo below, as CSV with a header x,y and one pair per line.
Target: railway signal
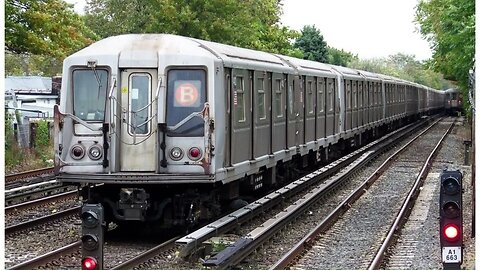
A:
x,y
92,237
451,225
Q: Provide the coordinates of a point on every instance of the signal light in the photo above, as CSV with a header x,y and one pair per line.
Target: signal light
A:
x,y
451,226
451,210
89,263
451,232
92,236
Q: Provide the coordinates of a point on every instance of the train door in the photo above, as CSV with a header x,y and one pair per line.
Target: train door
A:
x,y
241,138
364,104
299,92
261,113
355,86
348,105
279,125
138,144
320,125
294,111
330,108
310,100
370,102
228,116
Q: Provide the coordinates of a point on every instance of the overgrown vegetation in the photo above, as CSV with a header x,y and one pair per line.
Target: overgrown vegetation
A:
x,y
43,143
13,155
449,26
23,159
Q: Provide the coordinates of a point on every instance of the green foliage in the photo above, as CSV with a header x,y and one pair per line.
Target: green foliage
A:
x,y
42,138
340,57
312,44
226,21
44,27
31,65
404,67
13,155
449,26
43,143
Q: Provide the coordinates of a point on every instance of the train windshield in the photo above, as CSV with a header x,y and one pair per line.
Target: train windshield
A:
x,y
89,94
185,99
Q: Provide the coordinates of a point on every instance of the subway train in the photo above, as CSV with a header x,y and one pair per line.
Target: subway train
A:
x,y
453,101
174,130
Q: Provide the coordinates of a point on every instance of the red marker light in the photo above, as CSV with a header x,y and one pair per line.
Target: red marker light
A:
x,y
451,232
89,263
194,153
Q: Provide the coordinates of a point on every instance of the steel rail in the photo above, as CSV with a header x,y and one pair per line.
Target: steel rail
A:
x,y
235,253
11,208
12,177
147,255
35,222
407,205
326,223
189,243
46,259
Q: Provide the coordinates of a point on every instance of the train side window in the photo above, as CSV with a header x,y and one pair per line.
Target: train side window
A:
x,y
261,99
330,96
311,99
349,95
290,98
360,94
321,97
278,98
239,88
355,94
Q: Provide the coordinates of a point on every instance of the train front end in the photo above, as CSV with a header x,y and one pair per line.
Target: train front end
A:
x,y
135,129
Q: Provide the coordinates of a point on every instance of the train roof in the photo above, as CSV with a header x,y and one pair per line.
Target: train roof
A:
x,y
452,90
142,50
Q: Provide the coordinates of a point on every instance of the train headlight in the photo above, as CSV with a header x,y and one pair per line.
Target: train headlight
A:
x,y
95,152
77,152
194,153
176,153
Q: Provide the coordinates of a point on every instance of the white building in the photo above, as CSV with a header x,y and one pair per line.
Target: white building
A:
x,y
35,96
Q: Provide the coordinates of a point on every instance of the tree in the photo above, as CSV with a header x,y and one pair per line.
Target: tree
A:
x,y
31,65
312,44
339,57
405,67
44,27
226,21
449,26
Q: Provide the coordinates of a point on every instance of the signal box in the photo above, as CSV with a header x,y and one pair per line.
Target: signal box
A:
x,y
451,220
92,236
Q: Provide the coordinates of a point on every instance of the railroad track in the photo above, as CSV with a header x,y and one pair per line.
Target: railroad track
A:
x,y
361,155
242,247
28,174
22,196
51,260
306,252
145,259
30,224
62,257
9,209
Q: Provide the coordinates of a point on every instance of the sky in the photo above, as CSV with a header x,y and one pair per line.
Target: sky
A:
x,y
369,28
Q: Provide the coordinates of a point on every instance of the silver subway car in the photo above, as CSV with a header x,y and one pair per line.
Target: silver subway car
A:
x,y
174,130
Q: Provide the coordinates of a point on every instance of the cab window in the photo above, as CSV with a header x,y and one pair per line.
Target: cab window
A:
x,y
186,95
